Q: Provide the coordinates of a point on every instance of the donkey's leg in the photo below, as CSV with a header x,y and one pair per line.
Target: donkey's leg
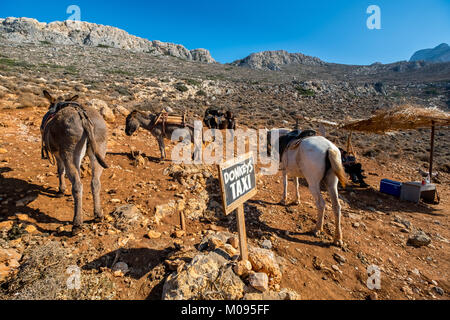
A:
x,y
80,152
320,204
296,189
61,176
162,147
96,185
77,193
285,188
332,183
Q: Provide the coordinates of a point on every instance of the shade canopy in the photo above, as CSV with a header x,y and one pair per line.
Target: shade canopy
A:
x,y
399,118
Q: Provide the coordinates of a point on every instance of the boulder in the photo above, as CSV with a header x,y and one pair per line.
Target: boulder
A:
x,y
206,277
264,260
259,281
102,107
419,239
121,110
127,216
9,262
242,268
163,210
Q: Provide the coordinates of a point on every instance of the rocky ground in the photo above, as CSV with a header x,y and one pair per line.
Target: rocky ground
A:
x,y
139,252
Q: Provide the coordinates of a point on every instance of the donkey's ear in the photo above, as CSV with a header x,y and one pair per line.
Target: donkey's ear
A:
x,y
74,98
49,96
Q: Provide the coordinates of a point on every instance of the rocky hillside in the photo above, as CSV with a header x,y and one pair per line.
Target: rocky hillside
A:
x,y
27,30
273,60
441,53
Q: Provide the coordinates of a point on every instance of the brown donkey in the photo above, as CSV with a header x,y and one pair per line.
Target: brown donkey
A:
x,y
68,131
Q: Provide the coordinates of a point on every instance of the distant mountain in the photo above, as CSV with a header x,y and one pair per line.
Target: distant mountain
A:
x,y
27,30
439,54
274,60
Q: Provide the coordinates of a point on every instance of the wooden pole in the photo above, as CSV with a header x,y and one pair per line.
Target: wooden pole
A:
x,y
182,221
432,150
242,233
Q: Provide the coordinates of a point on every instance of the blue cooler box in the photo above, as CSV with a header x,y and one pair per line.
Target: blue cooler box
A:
x,y
391,187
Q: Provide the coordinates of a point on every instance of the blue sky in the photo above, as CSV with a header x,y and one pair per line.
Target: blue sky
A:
x,y
333,30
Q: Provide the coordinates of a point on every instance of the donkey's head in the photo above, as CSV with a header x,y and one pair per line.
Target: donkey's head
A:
x,y
54,101
132,123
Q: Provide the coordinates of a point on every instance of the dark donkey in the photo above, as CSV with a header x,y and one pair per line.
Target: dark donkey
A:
x,y
68,131
137,119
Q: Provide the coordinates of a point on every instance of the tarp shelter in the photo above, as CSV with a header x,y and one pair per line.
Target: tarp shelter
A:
x,y
399,118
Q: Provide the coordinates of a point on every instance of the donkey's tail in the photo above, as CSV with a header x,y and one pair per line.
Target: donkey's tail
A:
x,y
88,127
336,166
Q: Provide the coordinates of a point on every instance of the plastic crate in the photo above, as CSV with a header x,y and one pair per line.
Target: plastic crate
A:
x,y
391,187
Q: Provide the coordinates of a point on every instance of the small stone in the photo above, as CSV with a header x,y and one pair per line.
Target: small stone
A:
x,y
30,229
179,233
242,268
266,244
214,243
3,151
373,296
355,224
407,290
339,258
118,274
438,290
153,234
22,217
173,265
6,225
234,241
335,268
259,281
121,266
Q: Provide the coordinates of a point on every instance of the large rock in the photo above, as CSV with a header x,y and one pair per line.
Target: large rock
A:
x,y
26,30
102,107
127,217
419,239
264,260
9,262
259,281
206,277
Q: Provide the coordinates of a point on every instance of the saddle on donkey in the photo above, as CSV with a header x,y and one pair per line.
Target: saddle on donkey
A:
x,y
296,135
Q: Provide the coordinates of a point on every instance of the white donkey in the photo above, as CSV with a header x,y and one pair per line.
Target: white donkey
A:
x,y
316,159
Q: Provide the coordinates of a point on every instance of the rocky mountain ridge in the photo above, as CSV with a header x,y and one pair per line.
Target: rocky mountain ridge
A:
x,y
440,53
28,30
274,60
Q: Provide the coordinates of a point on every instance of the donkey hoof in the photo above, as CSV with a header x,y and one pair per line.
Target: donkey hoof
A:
x,y
338,243
283,202
99,219
317,233
59,194
76,230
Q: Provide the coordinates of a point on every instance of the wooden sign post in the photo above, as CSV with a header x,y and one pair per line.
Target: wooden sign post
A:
x,y
238,184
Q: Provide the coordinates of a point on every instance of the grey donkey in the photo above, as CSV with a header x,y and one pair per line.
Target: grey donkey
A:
x,y
137,119
68,131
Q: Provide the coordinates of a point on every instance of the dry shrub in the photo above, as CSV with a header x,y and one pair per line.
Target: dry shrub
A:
x,y
43,276
27,100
